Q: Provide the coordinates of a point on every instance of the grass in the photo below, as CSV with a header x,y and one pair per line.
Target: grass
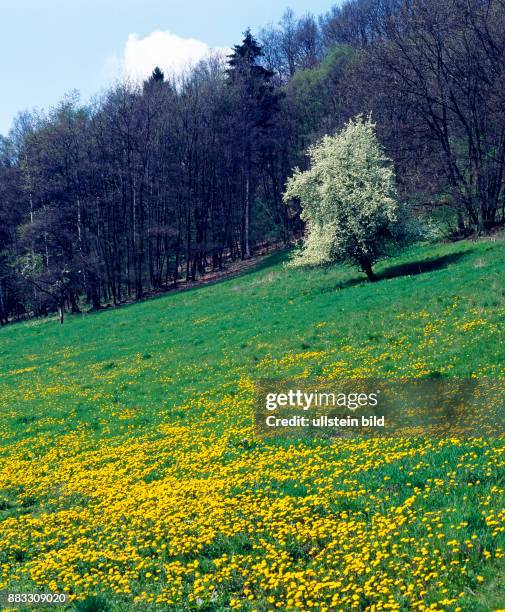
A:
x,y
130,475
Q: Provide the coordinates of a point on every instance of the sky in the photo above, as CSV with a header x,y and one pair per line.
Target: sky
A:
x,y
51,47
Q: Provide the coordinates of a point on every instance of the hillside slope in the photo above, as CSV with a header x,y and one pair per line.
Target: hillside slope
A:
x,y
129,470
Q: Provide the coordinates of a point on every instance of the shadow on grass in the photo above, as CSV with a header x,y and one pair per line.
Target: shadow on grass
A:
x,y
412,268
420,267
350,282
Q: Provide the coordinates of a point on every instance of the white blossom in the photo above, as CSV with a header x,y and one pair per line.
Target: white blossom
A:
x,y
349,199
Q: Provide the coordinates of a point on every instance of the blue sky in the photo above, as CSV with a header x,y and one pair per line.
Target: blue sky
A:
x,y
50,47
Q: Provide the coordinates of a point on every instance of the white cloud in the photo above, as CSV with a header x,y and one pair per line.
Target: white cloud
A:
x,y
172,53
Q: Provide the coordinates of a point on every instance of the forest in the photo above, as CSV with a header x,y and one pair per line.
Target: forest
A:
x,y
159,182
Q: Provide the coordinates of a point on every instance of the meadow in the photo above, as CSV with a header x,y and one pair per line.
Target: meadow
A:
x,y
130,476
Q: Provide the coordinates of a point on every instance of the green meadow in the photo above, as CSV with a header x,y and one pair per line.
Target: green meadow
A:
x,y
130,476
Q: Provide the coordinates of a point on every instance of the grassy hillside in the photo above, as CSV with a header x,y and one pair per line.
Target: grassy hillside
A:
x,y
129,469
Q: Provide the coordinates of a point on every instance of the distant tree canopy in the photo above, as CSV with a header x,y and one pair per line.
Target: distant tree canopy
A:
x,y
348,199
172,178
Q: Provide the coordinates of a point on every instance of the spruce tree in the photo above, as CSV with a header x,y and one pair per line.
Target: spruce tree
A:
x,y
255,104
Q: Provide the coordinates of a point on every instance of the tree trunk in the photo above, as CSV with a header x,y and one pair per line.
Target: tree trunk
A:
x,y
247,216
95,298
366,266
61,312
73,304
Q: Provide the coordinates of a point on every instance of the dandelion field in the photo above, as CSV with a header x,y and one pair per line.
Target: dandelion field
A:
x,y
130,477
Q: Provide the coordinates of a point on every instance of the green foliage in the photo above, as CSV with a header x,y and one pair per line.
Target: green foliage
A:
x,y
349,199
310,92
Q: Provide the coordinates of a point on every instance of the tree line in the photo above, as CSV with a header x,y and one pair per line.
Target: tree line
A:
x,y
171,178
